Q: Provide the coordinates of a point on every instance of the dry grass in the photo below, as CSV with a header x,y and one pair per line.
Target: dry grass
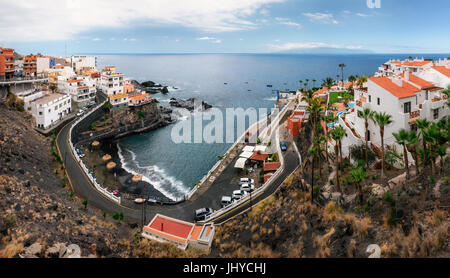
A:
x,y
321,242
11,249
332,212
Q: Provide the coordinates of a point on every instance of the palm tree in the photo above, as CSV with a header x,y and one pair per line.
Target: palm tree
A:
x,y
402,139
432,136
352,78
313,153
382,119
314,109
441,151
328,82
413,139
366,114
447,93
358,176
361,81
342,66
328,120
337,134
301,82
422,125
314,83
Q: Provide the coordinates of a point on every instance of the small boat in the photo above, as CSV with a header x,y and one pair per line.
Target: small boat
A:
x,y
249,90
269,86
225,83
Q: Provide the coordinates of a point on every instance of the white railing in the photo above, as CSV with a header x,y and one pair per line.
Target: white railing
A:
x,y
93,181
261,189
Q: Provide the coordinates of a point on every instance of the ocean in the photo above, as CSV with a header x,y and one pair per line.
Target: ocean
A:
x,y
174,168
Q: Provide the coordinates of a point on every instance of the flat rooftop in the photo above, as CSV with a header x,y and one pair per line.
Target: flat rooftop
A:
x,y
48,98
171,226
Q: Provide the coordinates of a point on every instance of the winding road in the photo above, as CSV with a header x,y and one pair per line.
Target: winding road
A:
x,y
81,185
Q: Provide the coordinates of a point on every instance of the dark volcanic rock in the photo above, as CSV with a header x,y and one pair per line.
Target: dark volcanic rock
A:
x,y
190,104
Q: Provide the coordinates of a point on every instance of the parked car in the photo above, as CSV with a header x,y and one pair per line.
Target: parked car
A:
x,y
238,194
78,151
226,200
283,146
116,192
201,214
80,113
82,155
246,180
247,187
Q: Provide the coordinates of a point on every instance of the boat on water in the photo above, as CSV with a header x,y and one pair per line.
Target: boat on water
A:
x,y
269,86
225,83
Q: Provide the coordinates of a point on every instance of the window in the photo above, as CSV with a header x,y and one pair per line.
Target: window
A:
x,y
40,113
378,100
370,98
407,107
436,113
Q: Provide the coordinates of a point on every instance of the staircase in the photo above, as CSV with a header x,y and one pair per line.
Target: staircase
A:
x,y
376,150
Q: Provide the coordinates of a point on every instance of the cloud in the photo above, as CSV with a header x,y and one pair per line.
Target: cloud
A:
x,y
324,18
287,21
309,45
362,15
213,40
47,20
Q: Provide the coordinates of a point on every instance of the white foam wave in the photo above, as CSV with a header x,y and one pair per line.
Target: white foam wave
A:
x,y
167,185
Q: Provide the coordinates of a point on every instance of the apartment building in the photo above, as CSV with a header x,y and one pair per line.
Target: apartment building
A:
x,y
7,66
50,109
81,63
30,64
82,89
44,64
406,97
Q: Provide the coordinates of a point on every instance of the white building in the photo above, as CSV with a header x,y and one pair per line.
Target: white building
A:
x,y
44,64
49,109
82,89
112,84
83,62
406,97
29,97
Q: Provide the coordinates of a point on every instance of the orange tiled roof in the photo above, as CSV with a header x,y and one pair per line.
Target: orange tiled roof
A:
x,y
118,96
416,63
196,232
73,81
443,70
418,81
271,166
348,84
321,91
406,90
172,227
260,156
139,97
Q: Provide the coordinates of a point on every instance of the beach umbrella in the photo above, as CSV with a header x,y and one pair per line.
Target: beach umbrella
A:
x,y
136,178
111,165
106,158
95,144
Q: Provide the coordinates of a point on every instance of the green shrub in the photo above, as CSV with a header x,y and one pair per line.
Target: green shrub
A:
x,y
389,198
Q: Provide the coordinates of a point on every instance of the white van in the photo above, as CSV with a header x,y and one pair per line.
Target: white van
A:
x,y
246,180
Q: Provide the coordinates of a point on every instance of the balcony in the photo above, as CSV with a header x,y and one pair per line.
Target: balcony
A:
x,y
414,114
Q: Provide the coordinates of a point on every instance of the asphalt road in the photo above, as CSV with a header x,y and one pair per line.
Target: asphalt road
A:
x,y
184,211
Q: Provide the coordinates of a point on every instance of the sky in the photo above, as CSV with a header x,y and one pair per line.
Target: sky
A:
x,y
224,26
